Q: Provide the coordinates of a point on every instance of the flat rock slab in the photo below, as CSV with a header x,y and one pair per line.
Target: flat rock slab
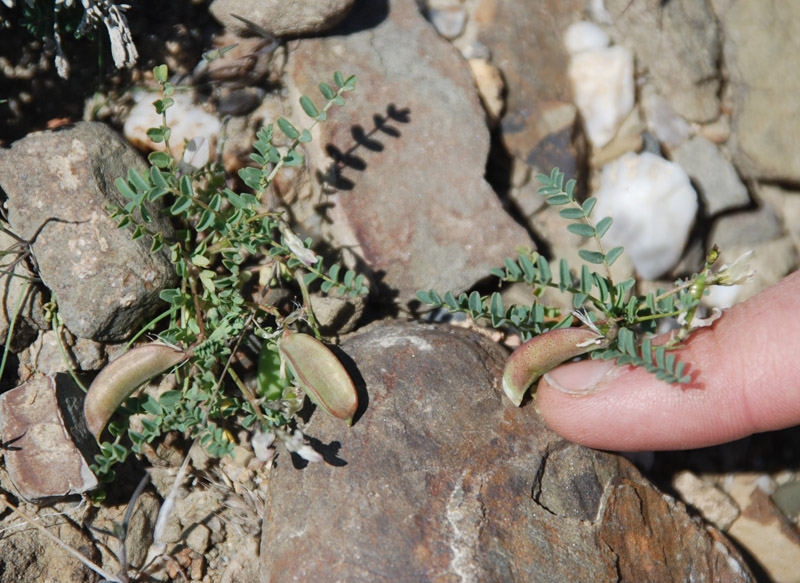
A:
x,y
58,185
408,152
43,434
761,51
678,43
441,479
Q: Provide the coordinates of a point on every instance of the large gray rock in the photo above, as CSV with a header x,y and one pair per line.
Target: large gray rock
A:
x,y
279,17
677,42
761,51
58,185
442,479
410,148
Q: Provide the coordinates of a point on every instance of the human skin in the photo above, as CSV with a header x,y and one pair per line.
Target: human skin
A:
x,y
745,379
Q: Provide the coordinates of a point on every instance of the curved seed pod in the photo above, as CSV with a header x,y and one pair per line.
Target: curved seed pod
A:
x,y
542,353
121,377
320,374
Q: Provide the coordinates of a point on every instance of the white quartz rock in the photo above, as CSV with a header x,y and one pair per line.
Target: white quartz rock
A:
x,y
602,81
653,206
187,121
585,36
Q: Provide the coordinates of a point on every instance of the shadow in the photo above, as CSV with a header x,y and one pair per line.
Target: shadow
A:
x,y
358,380
7,445
332,179
768,453
364,15
329,452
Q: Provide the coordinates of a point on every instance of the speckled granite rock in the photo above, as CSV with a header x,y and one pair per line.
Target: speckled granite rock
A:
x,y
58,185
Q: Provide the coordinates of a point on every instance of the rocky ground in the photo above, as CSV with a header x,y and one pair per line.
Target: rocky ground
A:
x,y
425,180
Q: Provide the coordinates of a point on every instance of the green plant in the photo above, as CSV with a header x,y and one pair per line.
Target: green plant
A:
x,y
226,241
616,322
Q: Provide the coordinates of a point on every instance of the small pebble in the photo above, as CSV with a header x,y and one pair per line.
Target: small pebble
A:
x,y
448,22
198,537
602,82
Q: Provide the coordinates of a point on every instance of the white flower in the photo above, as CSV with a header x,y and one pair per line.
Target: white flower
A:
x,y
736,273
583,316
262,445
309,454
297,247
196,154
295,442
698,322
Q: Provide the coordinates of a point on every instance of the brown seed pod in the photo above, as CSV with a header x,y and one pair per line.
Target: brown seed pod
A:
x,y
320,374
121,377
542,353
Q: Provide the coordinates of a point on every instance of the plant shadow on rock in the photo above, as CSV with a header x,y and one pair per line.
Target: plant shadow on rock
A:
x,y
332,178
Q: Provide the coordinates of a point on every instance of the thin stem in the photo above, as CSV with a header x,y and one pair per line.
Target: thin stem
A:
x,y
10,332
198,312
266,181
312,321
251,398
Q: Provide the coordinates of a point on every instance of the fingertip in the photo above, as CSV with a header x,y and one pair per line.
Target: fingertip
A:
x,y
627,409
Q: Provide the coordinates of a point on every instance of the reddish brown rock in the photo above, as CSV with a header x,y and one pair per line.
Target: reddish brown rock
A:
x,y
42,431
442,479
408,152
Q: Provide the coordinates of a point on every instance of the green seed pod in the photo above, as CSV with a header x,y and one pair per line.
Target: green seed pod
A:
x,y
542,353
121,377
320,374
270,384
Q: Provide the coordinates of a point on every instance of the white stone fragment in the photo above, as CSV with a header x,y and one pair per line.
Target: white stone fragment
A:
x,y
186,120
712,503
653,206
585,36
602,81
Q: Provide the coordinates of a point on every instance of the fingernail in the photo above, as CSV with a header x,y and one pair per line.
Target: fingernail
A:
x,y
580,378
